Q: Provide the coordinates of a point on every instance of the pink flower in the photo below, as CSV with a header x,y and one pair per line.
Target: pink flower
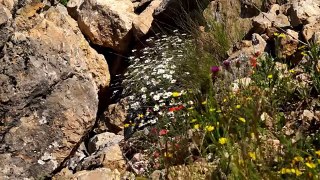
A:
x,y
163,132
215,69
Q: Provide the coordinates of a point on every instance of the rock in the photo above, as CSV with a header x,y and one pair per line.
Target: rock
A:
x,y
5,25
248,48
289,44
73,8
200,170
235,25
100,141
307,115
50,78
274,18
311,29
113,159
65,173
97,174
114,117
143,22
9,4
302,10
107,23
268,120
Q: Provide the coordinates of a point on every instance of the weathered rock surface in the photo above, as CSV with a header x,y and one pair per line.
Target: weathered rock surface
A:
x,y
302,10
142,23
107,23
97,174
247,48
5,23
274,17
219,11
311,29
50,78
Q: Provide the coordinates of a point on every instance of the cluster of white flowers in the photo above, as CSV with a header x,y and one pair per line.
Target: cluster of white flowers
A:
x,y
150,86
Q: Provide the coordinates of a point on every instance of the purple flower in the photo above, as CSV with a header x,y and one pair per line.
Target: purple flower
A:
x,y
215,69
227,63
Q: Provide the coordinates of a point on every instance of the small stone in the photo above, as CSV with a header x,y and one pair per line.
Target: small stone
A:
x,y
307,115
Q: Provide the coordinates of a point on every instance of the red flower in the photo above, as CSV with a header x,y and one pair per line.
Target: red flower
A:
x,y
253,61
176,108
163,132
257,54
154,130
156,154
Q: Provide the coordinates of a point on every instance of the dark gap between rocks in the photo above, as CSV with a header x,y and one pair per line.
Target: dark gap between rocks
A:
x,y
141,8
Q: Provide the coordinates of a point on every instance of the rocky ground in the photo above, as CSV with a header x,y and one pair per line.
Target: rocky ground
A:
x,y
61,70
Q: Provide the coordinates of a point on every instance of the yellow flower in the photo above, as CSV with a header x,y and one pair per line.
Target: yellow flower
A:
x,y
291,71
176,94
242,119
311,165
126,125
211,109
298,158
169,155
218,111
285,171
223,140
317,152
252,135
209,128
304,53
224,100
196,126
270,76
282,35
252,155
193,120
204,102
298,172
238,106
140,116
276,34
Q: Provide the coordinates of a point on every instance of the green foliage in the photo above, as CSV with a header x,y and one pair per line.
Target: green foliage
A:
x,y
64,2
242,116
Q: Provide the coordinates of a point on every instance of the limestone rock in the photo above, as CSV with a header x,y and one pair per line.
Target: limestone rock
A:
x,y
113,159
311,29
307,115
247,48
102,140
50,78
9,4
302,10
97,174
219,10
267,20
5,25
107,23
73,8
143,22
114,116
289,44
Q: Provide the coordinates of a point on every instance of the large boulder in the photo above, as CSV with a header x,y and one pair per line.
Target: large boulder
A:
x,y
142,23
107,23
5,23
311,29
274,17
302,10
50,78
